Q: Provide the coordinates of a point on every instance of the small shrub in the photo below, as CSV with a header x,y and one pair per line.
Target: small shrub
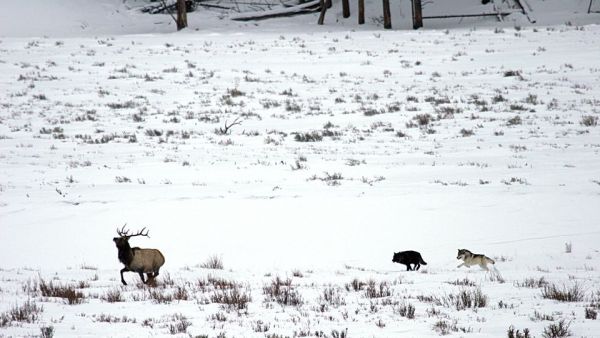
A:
x,y
282,292
153,132
220,283
26,313
332,179
298,165
160,296
219,317
122,105
113,296
595,300
590,313
568,247
122,179
470,299
339,334
67,292
589,121
510,73
557,330
313,136
566,294
422,119
532,283
405,310
462,282
260,326
380,290
511,333
333,297
498,98
513,121
537,316
47,331
444,327
180,326
292,106
235,92
465,298
517,107
137,118
181,293
355,285
466,132
532,99
232,298
213,262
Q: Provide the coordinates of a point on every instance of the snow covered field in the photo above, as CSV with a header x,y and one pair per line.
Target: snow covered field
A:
x,y
351,145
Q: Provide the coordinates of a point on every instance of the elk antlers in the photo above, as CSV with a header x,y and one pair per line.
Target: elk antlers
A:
x,y
125,233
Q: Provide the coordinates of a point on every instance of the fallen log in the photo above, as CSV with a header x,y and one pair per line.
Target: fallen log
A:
x,y
308,7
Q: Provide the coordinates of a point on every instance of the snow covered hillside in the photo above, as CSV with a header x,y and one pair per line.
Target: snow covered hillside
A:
x,y
302,158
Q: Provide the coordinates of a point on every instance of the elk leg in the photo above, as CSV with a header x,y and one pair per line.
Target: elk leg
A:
x,y
122,279
142,277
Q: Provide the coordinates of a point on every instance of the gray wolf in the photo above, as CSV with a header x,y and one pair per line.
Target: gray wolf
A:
x,y
470,258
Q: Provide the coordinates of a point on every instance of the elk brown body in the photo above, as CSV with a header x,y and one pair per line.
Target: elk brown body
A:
x,y
142,261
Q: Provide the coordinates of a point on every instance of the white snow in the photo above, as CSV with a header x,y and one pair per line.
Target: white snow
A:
x,y
505,166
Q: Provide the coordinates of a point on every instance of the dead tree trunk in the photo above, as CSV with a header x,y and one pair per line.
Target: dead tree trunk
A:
x,y
346,8
181,15
361,12
323,10
387,17
417,14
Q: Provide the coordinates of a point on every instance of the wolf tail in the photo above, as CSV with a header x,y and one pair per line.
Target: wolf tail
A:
x,y
491,260
423,262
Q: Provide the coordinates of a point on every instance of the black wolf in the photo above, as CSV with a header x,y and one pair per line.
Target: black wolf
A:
x,y
407,258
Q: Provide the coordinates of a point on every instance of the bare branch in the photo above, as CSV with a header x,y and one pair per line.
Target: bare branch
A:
x,y
168,10
225,131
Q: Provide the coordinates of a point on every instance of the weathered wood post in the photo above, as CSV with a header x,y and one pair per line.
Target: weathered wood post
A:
x,y
346,8
361,12
181,15
323,10
387,18
417,14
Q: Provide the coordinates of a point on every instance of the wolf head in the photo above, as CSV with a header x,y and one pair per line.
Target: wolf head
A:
x,y
397,257
463,253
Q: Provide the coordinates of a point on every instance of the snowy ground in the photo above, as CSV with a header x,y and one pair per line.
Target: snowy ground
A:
x,y
481,138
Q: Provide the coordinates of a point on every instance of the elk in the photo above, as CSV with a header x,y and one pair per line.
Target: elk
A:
x,y
135,259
